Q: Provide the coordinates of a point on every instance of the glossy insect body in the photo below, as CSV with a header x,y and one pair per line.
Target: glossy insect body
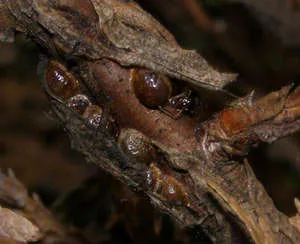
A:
x,y
168,187
79,103
60,82
94,115
136,146
154,91
96,118
61,85
151,89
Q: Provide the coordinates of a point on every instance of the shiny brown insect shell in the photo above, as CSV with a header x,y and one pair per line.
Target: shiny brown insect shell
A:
x,y
61,82
150,88
168,187
79,103
136,146
173,190
96,117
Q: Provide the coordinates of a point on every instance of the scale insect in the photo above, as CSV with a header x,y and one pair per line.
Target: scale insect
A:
x,y
154,90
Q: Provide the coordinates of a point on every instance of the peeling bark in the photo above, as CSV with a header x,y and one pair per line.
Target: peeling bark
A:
x,y
205,164
25,219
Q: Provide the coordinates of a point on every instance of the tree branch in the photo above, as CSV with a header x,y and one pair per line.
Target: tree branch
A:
x,y
246,123
194,166
25,218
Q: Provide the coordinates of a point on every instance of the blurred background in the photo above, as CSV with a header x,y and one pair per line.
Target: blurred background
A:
x,y
259,41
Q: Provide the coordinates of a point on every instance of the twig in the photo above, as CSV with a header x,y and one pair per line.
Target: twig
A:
x,y
205,194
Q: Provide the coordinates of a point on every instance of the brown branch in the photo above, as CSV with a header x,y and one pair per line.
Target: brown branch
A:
x,y
204,169
170,152
195,168
246,123
14,227
120,31
25,218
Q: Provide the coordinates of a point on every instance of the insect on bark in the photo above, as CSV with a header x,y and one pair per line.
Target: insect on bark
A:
x,y
154,90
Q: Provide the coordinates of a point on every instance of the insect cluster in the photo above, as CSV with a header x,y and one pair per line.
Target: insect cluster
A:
x,y
63,86
138,147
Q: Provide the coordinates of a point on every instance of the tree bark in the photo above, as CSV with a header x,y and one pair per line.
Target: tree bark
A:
x,y
216,188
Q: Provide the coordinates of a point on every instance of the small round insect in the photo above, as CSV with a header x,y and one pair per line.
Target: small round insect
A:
x,y
154,91
94,115
151,89
167,186
79,103
136,146
97,118
60,82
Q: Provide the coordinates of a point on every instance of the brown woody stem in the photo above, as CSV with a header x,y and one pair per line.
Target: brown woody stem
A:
x,y
211,197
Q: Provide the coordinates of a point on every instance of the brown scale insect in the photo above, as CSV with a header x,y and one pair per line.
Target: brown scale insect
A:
x,y
79,103
136,146
173,191
154,91
59,82
63,86
97,119
168,187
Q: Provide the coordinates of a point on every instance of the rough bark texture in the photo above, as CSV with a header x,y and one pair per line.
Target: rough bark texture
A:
x,y
25,219
206,163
